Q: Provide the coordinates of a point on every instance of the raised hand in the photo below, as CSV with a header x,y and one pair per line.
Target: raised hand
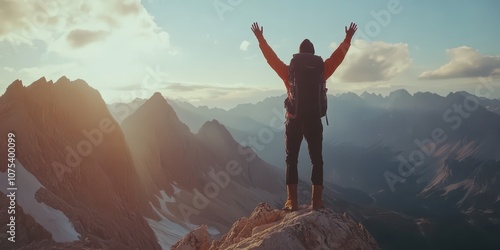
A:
x,y
352,29
258,32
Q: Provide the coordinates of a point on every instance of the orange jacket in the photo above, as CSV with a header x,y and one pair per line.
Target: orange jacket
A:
x,y
281,68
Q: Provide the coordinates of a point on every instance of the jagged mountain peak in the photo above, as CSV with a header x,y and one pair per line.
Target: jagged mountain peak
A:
x,y
63,79
453,94
63,86
40,83
400,93
426,94
15,87
156,112
65,96
372,98
464,93
456,97
157,95
349,95
428,100
137,99
366,94
267,103
351,98
214,129
156,104
213,124
78,83
156,101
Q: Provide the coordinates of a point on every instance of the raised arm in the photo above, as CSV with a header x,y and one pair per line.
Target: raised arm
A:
x,y
338,55
272,59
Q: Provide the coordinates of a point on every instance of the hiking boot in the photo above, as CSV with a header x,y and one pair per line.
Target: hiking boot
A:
x,y
291,203
317,200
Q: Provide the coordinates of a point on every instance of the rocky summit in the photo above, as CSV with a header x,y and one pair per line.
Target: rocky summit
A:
x,y
269,228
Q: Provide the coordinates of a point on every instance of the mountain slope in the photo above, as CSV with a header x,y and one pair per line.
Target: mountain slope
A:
x,y
64,139
190,178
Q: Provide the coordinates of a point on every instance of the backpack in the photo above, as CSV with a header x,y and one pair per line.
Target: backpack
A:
x,y
307,93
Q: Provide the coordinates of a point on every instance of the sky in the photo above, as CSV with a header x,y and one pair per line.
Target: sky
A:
x,y
204,51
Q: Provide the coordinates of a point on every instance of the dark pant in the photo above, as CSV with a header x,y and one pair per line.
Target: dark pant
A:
x,y
312,130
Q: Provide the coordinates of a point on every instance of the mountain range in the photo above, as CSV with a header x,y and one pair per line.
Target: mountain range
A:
x,y
430,157
417,171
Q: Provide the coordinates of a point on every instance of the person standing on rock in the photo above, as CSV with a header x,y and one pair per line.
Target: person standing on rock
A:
x,y
305,81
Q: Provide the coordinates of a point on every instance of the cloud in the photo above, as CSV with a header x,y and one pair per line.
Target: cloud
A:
x,y
79,38
8,69
217,95
374,61
128,7
465,62
113,42
218,91
244,45
21,22
10,10
182,87
214,95
383,86
74,24
130,87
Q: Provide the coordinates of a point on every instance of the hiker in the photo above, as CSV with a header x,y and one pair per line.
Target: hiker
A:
x,y
305,81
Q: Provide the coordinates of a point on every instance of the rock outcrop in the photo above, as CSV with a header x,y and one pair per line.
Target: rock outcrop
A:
x,y
269,228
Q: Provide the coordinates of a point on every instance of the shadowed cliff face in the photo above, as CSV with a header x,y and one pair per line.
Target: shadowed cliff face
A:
x,y
69,143
268,228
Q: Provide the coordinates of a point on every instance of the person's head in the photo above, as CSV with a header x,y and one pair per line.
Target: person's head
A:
x,y
306,47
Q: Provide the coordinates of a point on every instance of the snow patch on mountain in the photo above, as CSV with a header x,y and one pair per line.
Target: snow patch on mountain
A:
x,y
168,232
53,220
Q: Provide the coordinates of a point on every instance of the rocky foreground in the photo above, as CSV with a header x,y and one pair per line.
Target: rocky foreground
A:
x,y
269,228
